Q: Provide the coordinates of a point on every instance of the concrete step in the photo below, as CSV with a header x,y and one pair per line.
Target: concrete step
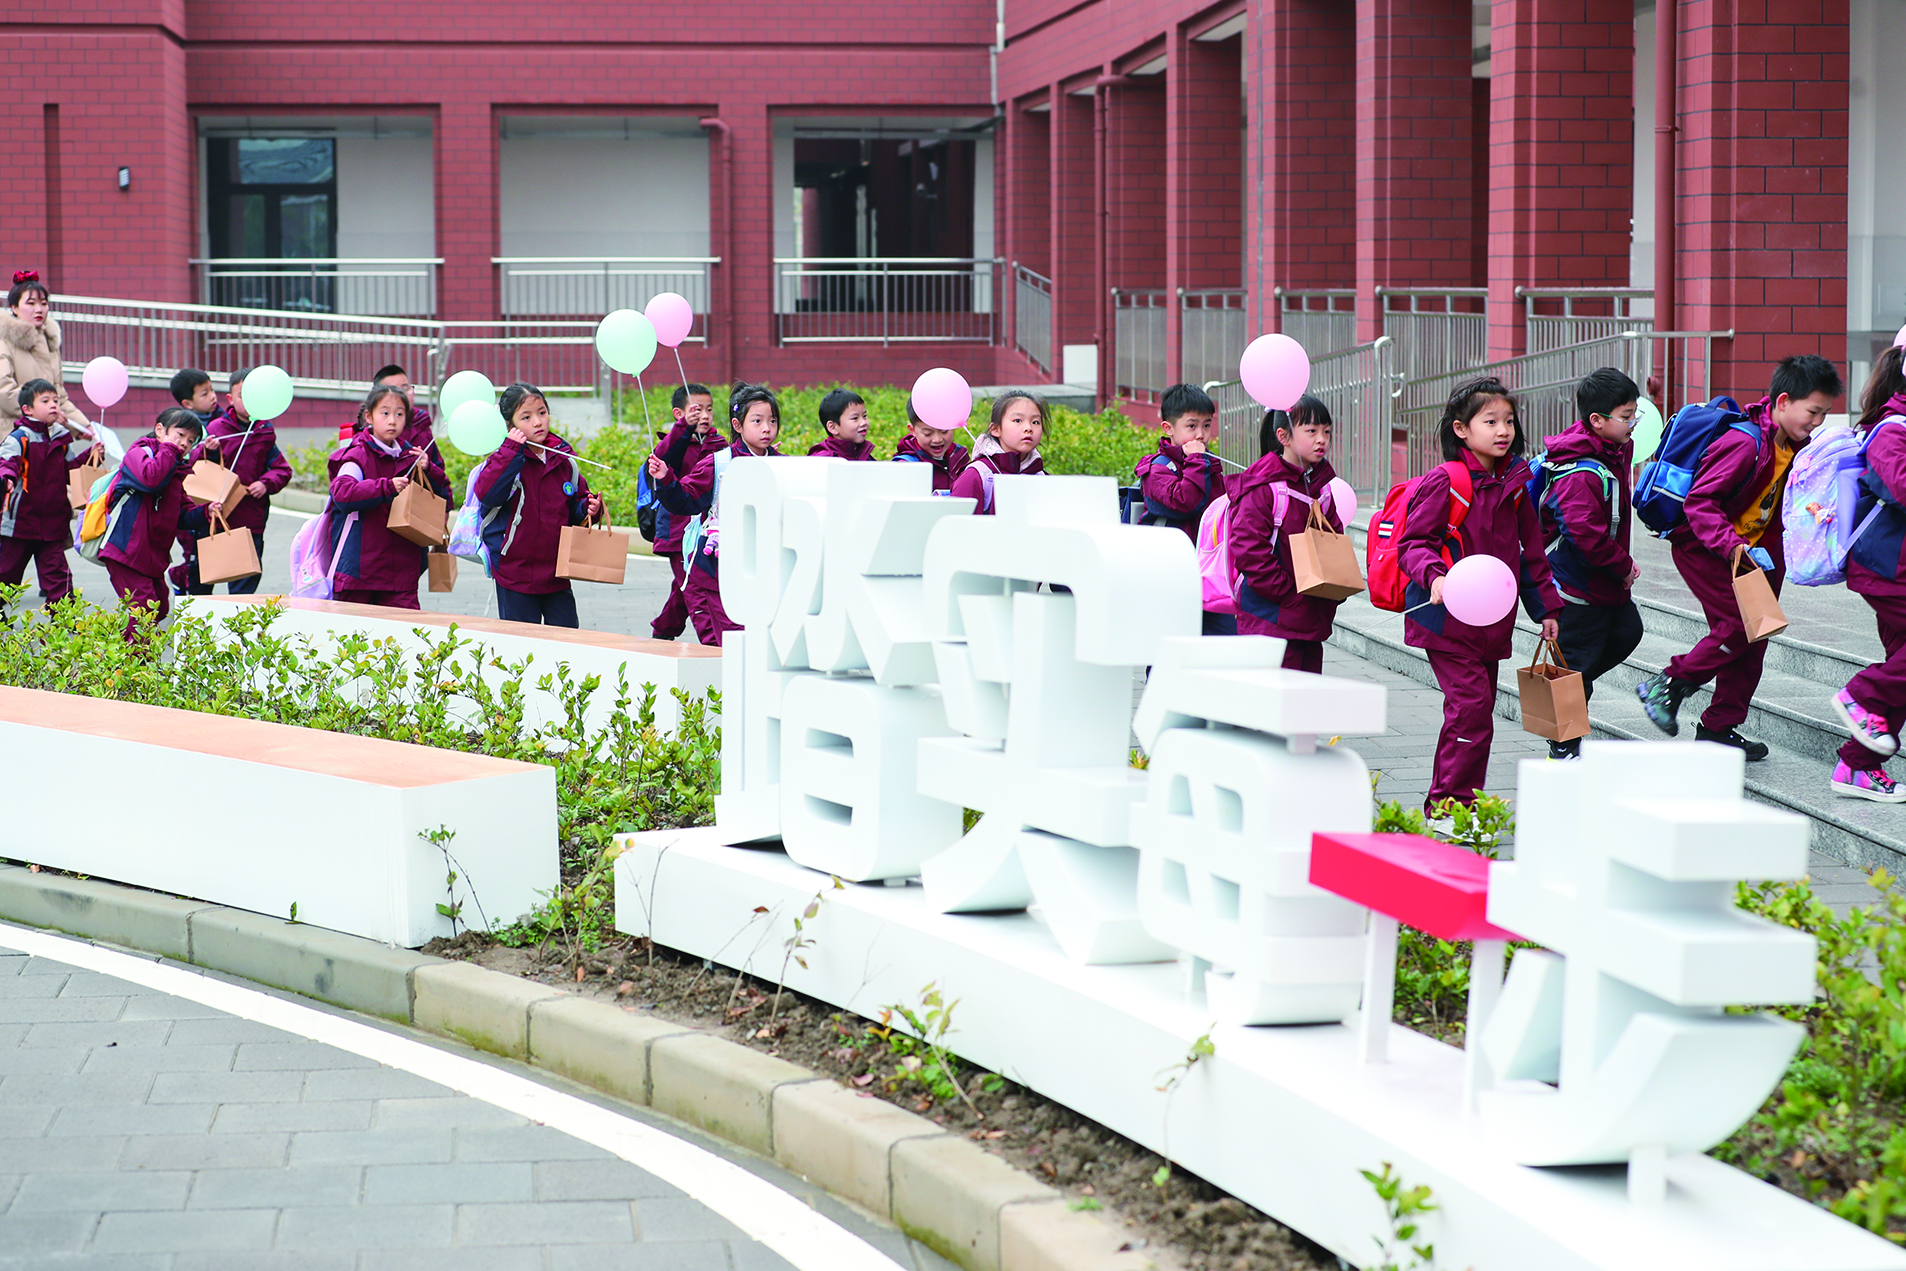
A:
x,y
1789,713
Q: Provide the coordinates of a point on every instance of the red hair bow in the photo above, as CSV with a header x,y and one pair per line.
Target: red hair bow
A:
x,y
25,275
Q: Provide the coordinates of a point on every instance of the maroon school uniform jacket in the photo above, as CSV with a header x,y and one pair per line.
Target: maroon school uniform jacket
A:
x,y
694,494
36,457
974,483
528,496
1588,538
1502,522
682,449
373,558
417,432
149,507
1178,487
1268,600
1876,566
841,448
945,470
251,458
1733,469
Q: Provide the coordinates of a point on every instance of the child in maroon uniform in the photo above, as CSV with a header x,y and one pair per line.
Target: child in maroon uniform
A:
x,y
530,487
1735,502
844,420
1009,448
249,448
1480,434
693,438
148,510
754,419
935,447
1181,478
375,566
1295,473
1873,703
36,519
418,433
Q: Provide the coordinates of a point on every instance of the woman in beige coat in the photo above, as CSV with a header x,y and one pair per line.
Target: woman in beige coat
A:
x,y
30,346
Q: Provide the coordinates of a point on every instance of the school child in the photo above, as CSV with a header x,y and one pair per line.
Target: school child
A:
x,y
30,343
530,487
249,448
374,565
36,520
844,420
1735,502
1179,480
192,389
1295,472
754,421
1873,703
934,447
1482,446
693,438
149,508
1585,507
1010,447
417,433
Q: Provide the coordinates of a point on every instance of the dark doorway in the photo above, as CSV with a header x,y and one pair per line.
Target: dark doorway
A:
x,y
272,198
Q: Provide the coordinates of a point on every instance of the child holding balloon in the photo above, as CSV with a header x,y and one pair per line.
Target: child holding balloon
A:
x,y
529,488
249,447
934,447
693,438
1270,501
36,520
376,566
418,433
1010,447
1468,511
754,420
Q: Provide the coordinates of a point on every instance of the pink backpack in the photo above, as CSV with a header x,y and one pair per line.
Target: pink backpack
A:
x,y
1220,581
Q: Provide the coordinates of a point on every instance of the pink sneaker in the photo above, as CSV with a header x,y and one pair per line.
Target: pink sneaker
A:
x,y
1871,784
1867,728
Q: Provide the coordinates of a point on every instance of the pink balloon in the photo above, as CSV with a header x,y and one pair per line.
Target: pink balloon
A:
x,y
1900,339
1275,370
942,398
1343,499
671,316
104,380
1479,590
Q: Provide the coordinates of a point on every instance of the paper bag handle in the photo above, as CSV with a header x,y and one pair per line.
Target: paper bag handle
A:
x,y
1734,565
1316,520
1553,649
218,510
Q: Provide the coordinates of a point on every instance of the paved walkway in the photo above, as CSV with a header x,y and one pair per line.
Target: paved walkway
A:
x,y
143,1130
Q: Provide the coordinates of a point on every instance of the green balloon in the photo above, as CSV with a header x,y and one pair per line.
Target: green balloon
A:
x,y
267,393
465,386
626,341
1648,430
477,428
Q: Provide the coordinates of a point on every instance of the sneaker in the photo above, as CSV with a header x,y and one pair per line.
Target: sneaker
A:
x,y
1563,750
1754,750
1661,698
1867,728
1873,784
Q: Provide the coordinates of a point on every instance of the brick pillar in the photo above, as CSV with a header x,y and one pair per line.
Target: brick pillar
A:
x,y
1413,149
24,230
1074,235
466,164
1561,152
1302,151
1204,180
1135,160
1027,165
1762,183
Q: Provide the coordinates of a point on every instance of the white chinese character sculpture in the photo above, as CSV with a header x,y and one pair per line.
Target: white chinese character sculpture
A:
x,y
1236,787
1625,870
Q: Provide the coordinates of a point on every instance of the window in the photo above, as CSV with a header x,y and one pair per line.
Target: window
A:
x,y
272,198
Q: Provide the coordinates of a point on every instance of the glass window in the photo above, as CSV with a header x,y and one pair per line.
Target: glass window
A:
x,y
304,226
284,161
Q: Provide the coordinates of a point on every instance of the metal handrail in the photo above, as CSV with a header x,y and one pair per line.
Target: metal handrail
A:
x,y
605,260
314,260
241,312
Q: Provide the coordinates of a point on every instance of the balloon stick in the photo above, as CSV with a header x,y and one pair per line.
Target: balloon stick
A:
x,y
678,365
569,455
644,395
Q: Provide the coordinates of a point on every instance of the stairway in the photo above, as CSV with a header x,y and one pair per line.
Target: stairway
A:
x,y
1790,710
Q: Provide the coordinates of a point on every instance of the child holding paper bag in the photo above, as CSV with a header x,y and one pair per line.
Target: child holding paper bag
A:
x,y
529,488
36,516
375,565
1271,501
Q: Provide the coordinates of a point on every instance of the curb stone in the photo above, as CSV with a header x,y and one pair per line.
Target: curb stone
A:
x,y
951,1195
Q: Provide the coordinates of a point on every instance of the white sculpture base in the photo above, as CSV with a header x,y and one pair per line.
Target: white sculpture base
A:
x,y
1281,1117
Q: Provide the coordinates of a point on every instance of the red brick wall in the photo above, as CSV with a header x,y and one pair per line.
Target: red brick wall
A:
x,y
1204,174
1135,184
1074,280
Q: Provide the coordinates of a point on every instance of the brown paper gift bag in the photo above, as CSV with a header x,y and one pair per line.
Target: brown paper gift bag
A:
x,y
419,513
208,482
443,570
79,481
592,554
227,555
1324,562
1760,608
1554,700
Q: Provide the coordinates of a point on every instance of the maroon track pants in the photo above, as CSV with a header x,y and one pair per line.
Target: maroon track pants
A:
x,y
1881,687
703,593
1469,725
1723,655
674,616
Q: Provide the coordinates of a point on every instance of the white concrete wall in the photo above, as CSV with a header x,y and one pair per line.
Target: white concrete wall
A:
x,y
386,209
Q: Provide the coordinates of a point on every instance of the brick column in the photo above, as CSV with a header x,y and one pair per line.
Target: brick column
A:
x,y
1204,180
1413,149
1561,152
1074,236
1302,151
1027,165
1762,183
1135,162
24,230
466,166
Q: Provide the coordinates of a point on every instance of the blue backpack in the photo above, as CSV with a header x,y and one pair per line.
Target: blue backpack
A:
x,y
647,506
1135,508
1661,493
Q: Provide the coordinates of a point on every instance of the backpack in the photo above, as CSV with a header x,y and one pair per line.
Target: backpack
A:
x,y
1219,581
314,562
1383,564
466,532
98,519
1136,508
1821,501
647,506
707,525
1662,491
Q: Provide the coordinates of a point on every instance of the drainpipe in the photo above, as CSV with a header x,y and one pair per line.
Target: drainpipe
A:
x,y
1667,125
1102,306
727,252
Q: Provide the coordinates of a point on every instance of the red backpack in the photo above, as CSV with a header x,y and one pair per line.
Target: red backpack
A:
x,y
1383,565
